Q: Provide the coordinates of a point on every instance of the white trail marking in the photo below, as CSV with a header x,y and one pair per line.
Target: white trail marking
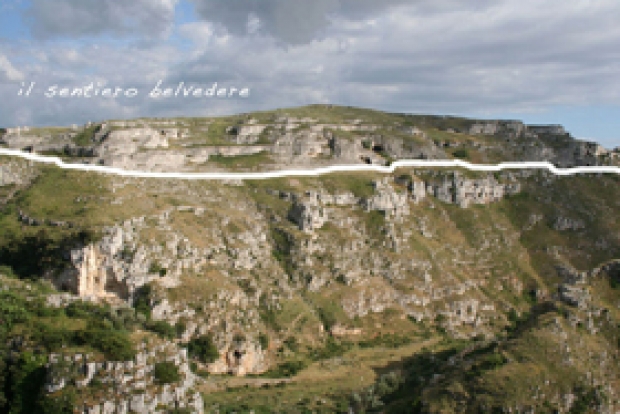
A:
x,y
313,172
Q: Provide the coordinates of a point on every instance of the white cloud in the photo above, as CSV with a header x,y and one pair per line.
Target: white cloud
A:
x,y
442,56
8,72
291,21
75,18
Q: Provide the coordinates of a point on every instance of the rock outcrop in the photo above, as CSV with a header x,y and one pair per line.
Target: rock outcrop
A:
x,y
130,386
386,199
464,192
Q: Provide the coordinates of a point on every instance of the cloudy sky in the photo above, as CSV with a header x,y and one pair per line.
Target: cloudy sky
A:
x,y
543,61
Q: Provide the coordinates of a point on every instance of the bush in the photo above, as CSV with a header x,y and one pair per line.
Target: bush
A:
x,y
86,310
158,269
25,378
116,345
292,343
85,137
124,319
166,373
52,338
263,340
461,153
286,369
59,403
331,349
328,318
162,328
203,348
180,327
142,303
7,271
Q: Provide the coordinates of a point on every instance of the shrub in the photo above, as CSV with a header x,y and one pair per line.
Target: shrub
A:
x,y
25,378
124,319
461,153
59,403
162,328
116,345
158,269
292,344
52,338
180,411
82,309
166,373
203,348
85,137
328,318
287,369
180,327
332,348
7,271
142,303
263,340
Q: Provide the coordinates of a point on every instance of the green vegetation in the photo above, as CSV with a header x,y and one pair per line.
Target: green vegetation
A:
x,y
203,348
162,328
358,184
375,225
286,369
263,340
30,252
242,161
158,269
166,373
386,340
328,317
510,251
461,153
42,329
282,248
85,137
331,349
115,345
142,301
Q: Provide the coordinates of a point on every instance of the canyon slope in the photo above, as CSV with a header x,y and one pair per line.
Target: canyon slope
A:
x,y
430,290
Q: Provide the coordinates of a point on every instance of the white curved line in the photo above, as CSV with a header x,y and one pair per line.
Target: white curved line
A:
x,y
315,171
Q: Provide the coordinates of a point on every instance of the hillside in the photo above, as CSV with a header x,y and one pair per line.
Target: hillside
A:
x,y
427,290
307,136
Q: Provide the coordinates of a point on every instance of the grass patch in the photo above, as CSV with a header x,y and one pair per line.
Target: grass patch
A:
x,y
85,137
242,161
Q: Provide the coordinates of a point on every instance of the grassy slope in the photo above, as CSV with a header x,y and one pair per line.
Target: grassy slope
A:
x,y
591,199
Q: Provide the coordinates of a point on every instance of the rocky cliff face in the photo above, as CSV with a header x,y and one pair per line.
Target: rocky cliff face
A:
x,y
370,137
464,192
129,386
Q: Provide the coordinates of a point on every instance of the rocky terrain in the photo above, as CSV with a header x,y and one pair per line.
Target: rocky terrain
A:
x,y
308,136
426,290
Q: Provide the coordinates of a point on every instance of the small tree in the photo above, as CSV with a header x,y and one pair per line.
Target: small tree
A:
x,y
166,373
203,348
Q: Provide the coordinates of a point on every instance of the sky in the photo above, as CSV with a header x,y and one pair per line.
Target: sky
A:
x,y
540,61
